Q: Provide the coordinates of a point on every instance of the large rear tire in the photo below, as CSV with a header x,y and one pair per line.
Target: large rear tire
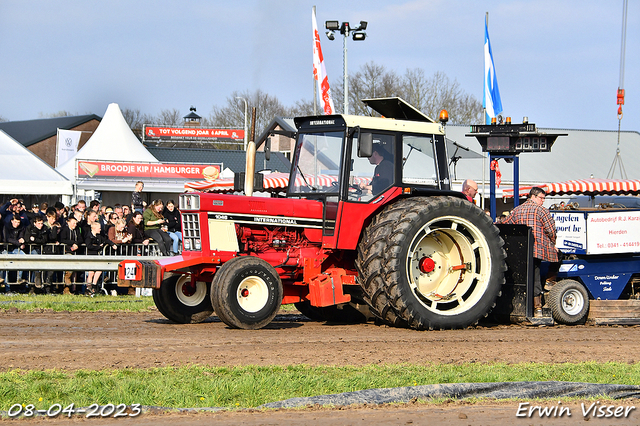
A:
x,y
569,302
246,293
444,263
369,264
180,302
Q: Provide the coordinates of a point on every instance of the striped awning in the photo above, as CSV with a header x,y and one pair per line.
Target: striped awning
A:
x,y
584,186
273,181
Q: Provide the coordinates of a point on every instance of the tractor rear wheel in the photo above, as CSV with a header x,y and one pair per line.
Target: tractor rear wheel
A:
x,y
246,293
369,264
444,262
569,302
181,302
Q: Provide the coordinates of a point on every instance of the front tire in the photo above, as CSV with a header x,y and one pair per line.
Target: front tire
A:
x,y
247,293
569,302
444,263
180,302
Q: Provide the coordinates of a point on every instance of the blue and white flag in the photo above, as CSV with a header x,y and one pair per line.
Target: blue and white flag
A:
x,y
491,101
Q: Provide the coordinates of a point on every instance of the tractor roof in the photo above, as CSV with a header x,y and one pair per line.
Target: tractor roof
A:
x,y
397,116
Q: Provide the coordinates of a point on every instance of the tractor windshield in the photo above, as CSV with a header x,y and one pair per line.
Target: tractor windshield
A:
x,y
317,163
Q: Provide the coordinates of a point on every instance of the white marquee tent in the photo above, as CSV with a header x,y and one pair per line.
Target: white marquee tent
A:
x,y
23,173
113,140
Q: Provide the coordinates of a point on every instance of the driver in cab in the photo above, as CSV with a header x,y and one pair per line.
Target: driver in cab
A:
x,y
383,173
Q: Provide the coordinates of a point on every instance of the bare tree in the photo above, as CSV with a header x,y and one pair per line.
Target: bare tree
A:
x,y
61,113
232,115
169,117
136,120
428,94
301,108
431,95
3,119
372,81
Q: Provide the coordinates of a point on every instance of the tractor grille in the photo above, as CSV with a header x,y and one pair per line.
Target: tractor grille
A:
x,y
191,231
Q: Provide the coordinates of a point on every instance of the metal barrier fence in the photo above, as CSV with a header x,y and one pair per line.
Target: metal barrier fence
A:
x,y
32,259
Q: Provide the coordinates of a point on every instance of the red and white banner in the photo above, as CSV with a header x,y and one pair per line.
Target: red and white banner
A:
x,y
100,169
277,181
585,186
319,71
188,133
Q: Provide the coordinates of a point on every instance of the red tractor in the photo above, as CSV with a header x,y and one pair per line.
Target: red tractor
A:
x,y
368,220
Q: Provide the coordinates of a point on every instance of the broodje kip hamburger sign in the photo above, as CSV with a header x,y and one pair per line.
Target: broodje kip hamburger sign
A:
x,y
104,169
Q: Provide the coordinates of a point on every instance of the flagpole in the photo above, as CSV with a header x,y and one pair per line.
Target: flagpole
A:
x,y
57,142
487,120
315,86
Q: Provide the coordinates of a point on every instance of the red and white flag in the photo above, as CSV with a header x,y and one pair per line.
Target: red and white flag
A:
x,y
319,71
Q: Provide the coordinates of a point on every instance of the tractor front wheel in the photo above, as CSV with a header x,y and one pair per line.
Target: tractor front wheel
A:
x,y
246,293
180,301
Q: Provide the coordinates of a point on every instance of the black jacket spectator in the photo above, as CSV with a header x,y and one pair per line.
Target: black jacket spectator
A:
x,y
35,236
69,237
95,243
173,218
12,236
86,228
31,215
138,234
8,210
53,236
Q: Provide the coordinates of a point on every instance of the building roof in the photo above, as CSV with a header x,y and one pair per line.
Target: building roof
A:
x,y
29,132
192,116
232,159
581,154
24,173
285,123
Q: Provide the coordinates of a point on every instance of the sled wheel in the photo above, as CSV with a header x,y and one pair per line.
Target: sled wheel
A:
x,y
181,302
569,302
247,293
444,263
369,261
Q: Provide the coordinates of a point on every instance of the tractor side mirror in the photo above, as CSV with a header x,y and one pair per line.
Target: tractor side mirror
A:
x,y
267,149
365,145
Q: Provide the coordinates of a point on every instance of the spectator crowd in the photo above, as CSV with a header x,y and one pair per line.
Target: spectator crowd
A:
x,y
82,229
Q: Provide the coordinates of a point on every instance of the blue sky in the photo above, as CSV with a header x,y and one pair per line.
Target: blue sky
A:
x,y
557,62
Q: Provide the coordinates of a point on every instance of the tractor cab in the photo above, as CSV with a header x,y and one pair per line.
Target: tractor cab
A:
x,y
358,159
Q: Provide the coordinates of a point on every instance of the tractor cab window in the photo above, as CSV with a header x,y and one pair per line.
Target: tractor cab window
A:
x,y
317,163
418,164
371,176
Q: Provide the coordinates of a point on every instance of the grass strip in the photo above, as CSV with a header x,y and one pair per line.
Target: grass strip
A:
x,y
251,386
70,302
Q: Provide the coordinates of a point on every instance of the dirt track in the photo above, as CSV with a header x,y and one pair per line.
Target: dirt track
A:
x,y
109,340
101,340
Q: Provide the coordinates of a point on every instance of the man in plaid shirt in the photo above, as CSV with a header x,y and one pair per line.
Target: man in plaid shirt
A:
x,y
532,214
